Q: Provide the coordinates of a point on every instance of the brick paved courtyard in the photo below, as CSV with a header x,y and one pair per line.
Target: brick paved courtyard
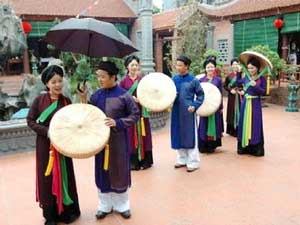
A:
x,y
228,189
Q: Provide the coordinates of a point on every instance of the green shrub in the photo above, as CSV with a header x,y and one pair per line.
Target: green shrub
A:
x,y
197,65
278,63
79,68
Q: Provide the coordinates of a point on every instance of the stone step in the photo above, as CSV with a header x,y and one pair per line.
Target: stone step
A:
x,y
11,85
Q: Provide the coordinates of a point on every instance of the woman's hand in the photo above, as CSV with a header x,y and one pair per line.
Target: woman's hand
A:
x,y
233,91
241,92
136,99
109,122
252,83
191,109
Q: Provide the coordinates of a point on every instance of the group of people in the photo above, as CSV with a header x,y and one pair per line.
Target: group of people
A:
x,y
244,113
130,142
244,106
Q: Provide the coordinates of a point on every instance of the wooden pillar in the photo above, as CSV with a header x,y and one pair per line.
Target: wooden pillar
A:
x,y
158,53
26,66
284,47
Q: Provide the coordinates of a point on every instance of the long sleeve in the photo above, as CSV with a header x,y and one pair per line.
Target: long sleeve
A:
x,y
133,113
122,83
92,100
198,92
239,79
226,84
177,89
220,87
32,117
260,88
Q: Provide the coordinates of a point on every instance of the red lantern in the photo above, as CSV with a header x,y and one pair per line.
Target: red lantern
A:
x,y
278,23
26,27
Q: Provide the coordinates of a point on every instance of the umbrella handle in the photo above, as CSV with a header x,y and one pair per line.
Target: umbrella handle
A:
x,y
78,86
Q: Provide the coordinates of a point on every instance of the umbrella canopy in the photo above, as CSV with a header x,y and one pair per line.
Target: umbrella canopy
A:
x,y
90,37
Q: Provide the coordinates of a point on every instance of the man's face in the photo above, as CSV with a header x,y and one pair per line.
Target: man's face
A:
x,y
181,68
105,81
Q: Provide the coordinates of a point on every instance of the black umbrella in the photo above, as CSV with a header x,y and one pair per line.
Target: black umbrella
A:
x,y
90,37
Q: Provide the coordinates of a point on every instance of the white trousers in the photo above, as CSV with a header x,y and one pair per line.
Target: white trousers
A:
x,y
189,157
113,201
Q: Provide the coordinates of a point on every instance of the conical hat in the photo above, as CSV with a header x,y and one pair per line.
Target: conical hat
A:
x,y
78,130
212,100
156,92
264,61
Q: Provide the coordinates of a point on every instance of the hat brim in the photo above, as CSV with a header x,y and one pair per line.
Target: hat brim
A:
x,y
79,130
156,92
264,61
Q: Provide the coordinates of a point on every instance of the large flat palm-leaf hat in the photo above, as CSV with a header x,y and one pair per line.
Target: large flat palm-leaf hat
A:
x,y
78,130
264,61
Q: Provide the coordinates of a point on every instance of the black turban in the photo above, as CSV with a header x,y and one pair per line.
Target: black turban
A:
x,y
130,58
109,67
210,59
50,71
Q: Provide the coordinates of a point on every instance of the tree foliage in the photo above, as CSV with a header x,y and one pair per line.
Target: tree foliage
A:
x,y
278,63
198,65
80,67
155,10
190,36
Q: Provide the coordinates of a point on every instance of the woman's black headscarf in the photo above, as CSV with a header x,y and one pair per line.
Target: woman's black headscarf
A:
x,y
210,59
130,58
234,60
50,71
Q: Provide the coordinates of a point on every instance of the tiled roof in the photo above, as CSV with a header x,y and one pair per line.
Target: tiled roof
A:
x,y
104,8
249,6
167,20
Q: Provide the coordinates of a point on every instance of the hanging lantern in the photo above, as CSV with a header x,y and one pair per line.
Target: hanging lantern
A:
x,y
278,23
26,27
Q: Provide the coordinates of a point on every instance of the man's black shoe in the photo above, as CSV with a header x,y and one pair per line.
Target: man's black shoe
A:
x,y
101,214
242,152
50,222
189,169
126,214
178,165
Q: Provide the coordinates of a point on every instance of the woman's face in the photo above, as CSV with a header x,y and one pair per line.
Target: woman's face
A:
x,y
210,68
133,67
235,66
104,80
55,85
252,69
